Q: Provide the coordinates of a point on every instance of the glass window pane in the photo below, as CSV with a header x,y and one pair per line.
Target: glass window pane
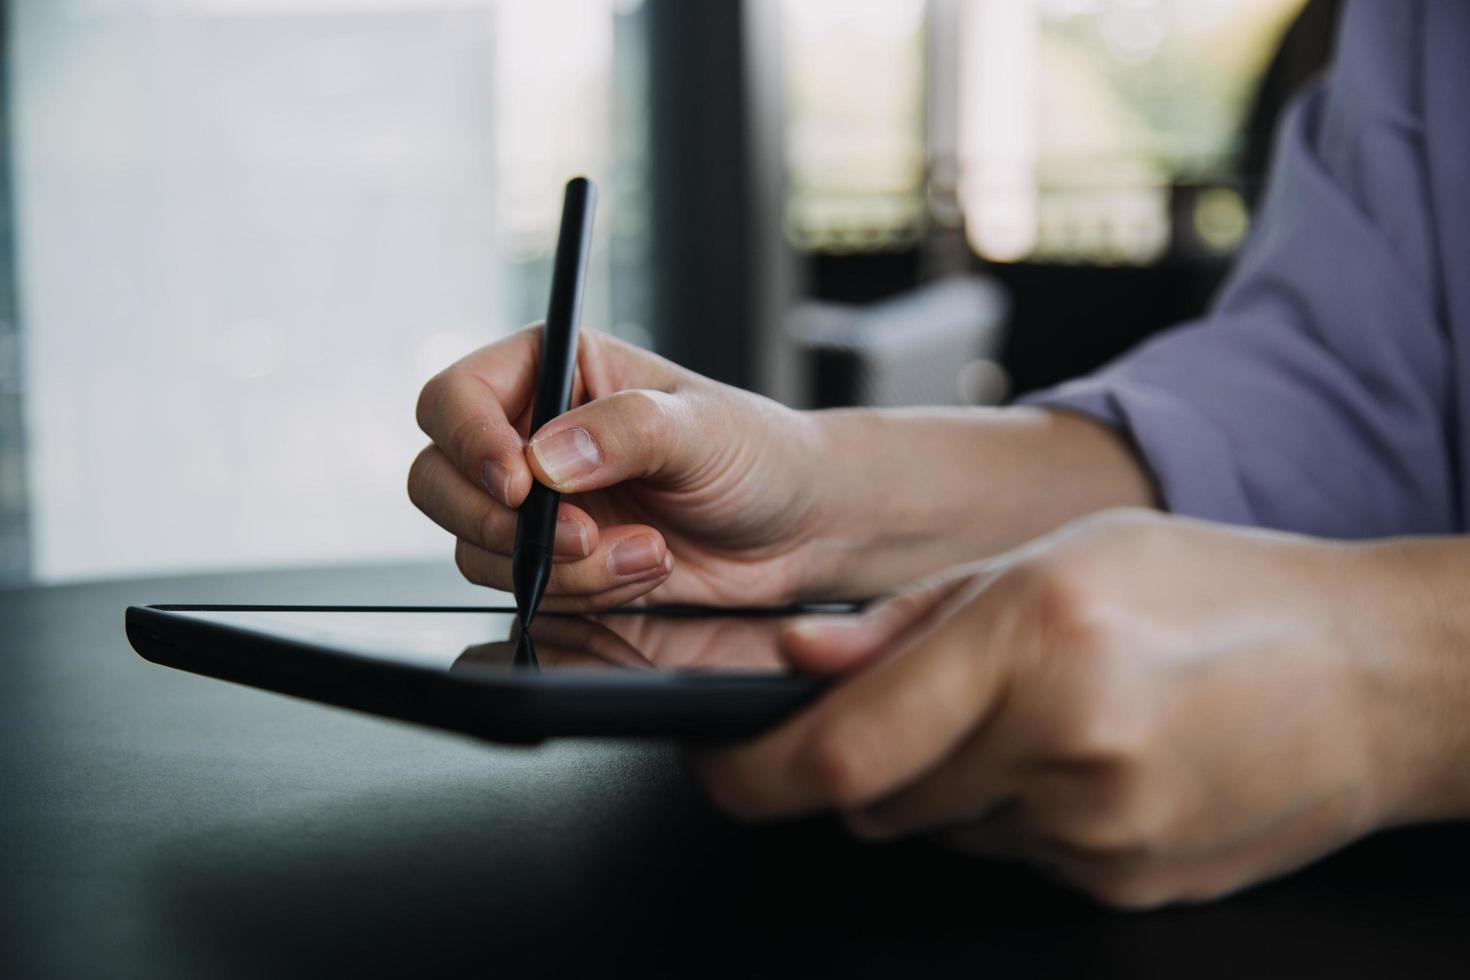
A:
x,y
249,231
855,127
1076,116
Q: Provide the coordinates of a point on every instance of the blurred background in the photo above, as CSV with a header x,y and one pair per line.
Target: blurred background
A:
x,y
236,236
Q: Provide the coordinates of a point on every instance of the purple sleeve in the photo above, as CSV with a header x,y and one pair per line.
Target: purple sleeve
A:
x,y
1316,396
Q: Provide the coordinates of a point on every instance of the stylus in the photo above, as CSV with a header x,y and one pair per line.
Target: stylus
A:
x,y
530,560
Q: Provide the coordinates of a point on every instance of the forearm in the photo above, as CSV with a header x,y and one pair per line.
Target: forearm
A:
x,y
907,492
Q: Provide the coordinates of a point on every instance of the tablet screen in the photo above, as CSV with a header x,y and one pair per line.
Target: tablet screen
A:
x,y
479,640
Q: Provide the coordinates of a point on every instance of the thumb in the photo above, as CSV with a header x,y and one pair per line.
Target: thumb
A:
x,y
827,644
628,435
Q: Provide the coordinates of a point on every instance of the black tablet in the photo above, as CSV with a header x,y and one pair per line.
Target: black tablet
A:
x,y
669,671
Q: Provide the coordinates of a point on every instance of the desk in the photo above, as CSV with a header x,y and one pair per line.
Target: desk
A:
x,y
158,824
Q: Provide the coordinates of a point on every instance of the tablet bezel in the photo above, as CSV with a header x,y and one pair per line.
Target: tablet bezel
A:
x,y
515,706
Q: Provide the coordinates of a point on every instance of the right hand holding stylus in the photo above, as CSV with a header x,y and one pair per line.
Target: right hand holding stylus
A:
x,y
674,485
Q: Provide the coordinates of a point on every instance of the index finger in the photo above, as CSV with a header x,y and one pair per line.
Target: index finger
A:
x,y
472,409
876,732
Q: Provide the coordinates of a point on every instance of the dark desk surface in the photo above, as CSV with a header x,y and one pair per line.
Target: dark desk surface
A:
x,y
154,823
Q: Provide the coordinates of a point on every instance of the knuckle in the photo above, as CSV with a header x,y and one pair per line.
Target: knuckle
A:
x,y
491,526
431,397
1105,710
1109,740
1067,606
487,529
465,440
468,563
843,766
568,584
643,415
420,478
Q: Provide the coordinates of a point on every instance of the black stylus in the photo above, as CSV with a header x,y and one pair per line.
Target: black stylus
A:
x,y
530,560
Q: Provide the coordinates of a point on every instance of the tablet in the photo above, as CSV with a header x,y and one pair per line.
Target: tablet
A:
x,y
669,671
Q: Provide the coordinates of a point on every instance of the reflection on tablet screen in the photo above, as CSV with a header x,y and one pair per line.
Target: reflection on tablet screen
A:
x,y
490,640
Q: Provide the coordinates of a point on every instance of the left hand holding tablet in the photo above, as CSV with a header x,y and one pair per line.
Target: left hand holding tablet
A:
x,y
1151,708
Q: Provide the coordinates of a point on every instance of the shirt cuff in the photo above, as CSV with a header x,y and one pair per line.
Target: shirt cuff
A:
x,y
1188,456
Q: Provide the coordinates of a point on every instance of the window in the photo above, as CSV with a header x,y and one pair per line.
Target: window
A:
x,y
1077,116
249,230
1059,125
855,137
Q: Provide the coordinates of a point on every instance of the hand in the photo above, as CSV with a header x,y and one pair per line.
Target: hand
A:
x,y
680,489
1153,709
674,485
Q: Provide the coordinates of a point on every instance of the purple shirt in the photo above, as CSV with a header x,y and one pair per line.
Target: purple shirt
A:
x,y
1328,390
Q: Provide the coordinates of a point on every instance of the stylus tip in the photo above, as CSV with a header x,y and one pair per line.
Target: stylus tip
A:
x,y
528,579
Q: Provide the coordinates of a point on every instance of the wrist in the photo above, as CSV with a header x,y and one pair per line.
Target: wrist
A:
x,y
903,493
1414,632
865,512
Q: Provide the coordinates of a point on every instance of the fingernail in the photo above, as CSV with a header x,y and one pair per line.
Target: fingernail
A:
x,y
567,456
635,556
497,481
571,539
